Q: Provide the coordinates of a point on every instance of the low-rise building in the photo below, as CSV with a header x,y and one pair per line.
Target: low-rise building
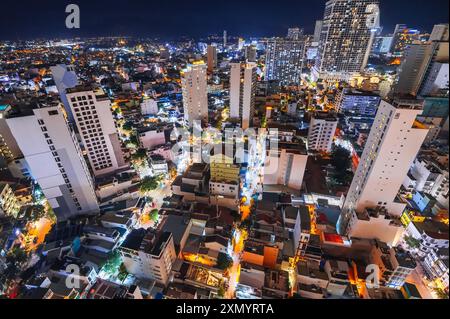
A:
x,y
158,165
375,223
9,204
149,255
321,132
395,264
338,276
432,234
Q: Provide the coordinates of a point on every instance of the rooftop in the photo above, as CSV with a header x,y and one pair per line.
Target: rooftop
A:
x,y
434,229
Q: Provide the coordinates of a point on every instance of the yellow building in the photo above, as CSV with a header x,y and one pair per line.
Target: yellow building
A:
x,y
223,169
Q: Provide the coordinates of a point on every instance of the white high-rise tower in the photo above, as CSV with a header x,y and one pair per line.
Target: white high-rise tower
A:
x,y
195,95
392,145
55,160
242,92
65,78
91,109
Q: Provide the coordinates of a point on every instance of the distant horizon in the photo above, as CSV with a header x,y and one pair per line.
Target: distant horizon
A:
x,y
176,19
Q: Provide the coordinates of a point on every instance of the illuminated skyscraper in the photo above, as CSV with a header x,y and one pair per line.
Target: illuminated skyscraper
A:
x,y
91,109
242,92
9,149
317,30
346,38
56,162
403,36
195,98
212,57
285,59
322,129
250,53
65,78
440,32
294,33
392,146
424,69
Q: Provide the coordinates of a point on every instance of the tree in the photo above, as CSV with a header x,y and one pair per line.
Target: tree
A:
x,y
133,141
154,215
123,273
35,212
224,261
17,256
139,157
340,158
221,292
149,183
412,242
441,294
112,264
127,126
341,161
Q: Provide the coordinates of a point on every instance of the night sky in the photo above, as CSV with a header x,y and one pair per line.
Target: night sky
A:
x,y
196,18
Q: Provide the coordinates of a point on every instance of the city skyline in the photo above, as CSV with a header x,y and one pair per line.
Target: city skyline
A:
x,y
301,165
172,19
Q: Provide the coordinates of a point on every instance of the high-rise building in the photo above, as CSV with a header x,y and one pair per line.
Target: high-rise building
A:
x,y
322,129
346,38
402,38
9,149
250,53
294,33
440,32
91,109
225,39
392,145
65,78
317,30
424,70
241,43
242,92
358,102
212,57
285,60
195,98
413,68
55,159
436,82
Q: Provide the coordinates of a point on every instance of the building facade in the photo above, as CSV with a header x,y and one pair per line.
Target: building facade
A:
x,y
285,60
391,148
322,129
346,38
242,92
65,179
65,78
195,98
211,53
91,109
